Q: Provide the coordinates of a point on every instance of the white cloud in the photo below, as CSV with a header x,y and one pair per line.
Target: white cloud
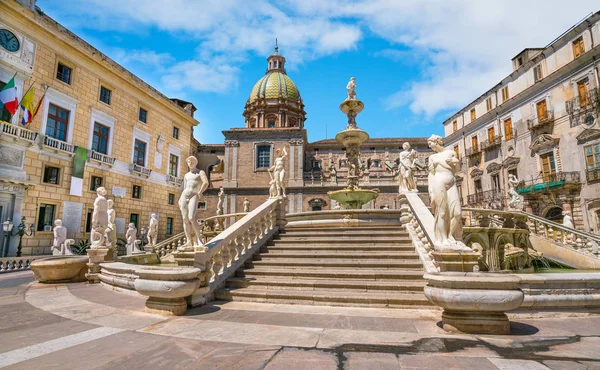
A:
x,y
197,76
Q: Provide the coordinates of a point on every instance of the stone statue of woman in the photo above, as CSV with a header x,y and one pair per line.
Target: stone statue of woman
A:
x,y
407,165
152,235
99,220
111,231
515,202
221,197
444,197
278,170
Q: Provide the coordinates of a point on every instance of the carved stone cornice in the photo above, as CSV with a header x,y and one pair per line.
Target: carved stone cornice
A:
x,y
511,163
543,142
232,143
476,173
296,142
493,168
587,135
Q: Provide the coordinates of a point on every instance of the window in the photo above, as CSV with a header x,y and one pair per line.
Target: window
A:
x,y
537,73
491,134
592,157
105,95
578,47
474,143
376,163
176,132
316,208
582,90
505,95
143,115
455,126
134,218
202,205
519,61
542,110
456,151
171,198
271,124
95,182
88,221
263,156
46,217
136,193
548,166
478,188
63,73
51,175
496,182
58,122
139,153
316,165
173,165
473,115
169,225
100,138
508,129
488,103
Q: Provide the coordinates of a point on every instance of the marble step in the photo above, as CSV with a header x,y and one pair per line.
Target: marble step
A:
x,y
328,298
339,262
342,240
344,229
321,284
394,233
366,248
332,273
268,253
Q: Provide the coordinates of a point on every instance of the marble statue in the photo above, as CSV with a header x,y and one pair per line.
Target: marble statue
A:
x,y
246,205
272,188
351,87
332,172
99,220
221,197
407,165
516,201
195,183
160,143
351,120
567,220
278,170
152,234
111,231
131,236
60,236
444,197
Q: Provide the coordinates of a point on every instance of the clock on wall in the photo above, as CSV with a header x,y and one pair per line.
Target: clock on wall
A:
x,y
9,41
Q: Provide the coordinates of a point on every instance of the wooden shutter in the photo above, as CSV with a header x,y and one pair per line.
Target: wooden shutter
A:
x,y
474,143
583,93
491,134
508,131
542,111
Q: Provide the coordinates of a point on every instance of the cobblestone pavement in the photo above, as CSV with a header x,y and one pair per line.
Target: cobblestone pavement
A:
x,y
80,326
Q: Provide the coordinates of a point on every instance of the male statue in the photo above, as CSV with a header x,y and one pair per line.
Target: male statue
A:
x,y
99,220
195,183
351,87
152,230
246,205
60,236
111,231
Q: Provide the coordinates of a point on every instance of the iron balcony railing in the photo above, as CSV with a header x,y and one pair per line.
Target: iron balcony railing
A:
x,y
549,181
473,150
488,199
581,108
491,144
174,180
592,174
541,122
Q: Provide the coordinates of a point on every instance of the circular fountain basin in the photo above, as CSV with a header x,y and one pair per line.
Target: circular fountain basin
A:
x,y
353,199
60,269
352,105
351,137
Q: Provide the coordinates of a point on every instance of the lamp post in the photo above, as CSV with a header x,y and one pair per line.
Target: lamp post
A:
x,y
7,227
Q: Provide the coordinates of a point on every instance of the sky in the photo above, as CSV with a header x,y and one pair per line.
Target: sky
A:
x,y
416,62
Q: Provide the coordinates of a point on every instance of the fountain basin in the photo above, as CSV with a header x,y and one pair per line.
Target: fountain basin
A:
x,y
60,269
353,198
351,137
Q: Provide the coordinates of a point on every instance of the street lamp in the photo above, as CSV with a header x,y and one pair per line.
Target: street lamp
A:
x,y
7,227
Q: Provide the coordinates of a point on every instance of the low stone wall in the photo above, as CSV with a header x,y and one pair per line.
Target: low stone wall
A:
x,y
560,290
345,218
140,259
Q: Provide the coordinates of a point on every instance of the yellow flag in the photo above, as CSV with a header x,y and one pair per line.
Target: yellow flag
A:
x,y
27,105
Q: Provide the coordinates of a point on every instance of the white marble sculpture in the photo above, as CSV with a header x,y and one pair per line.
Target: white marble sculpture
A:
x,y
516,201
407,165
220,202
278,170
246,205
111,231
132,241
567,220
99,220
351,87
195,183
60,236
152,234
444,197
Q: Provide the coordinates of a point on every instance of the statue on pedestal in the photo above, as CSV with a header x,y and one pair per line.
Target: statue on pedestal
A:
x,y
195,183
221,196
152,234
444,197
132,242
111,231
246,205
516,201
351,86
407,165
278,170
99,220
60,237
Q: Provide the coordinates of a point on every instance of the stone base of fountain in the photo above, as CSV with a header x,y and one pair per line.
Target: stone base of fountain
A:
x,y
353,198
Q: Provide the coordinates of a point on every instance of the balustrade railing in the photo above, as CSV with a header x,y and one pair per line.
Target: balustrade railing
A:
x,y
582,107
492,143
174,180
592,174
18,133
419,222
59,145
541,122
12,264
169,245
102,158
140,170
494,198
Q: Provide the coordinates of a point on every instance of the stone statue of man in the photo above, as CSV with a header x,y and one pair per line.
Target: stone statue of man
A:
x,y
131,236
351,87
195,183
246,205
99,219
220,202
111,231
152,234
60,236
406,166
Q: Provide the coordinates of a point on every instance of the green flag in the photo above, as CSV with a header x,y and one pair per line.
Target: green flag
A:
x,y
78,169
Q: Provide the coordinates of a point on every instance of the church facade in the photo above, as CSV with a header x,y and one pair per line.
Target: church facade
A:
x,y
274,118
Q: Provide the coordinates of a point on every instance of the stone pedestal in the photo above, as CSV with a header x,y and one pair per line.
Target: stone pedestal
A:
x,y
457,261
96,257
111,256
184,258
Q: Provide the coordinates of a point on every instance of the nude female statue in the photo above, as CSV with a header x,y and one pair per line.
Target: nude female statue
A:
x,y
278,170
195,183
152,235
407,165
99,219
444,196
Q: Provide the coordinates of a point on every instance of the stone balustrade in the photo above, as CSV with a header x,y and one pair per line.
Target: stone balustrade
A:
x,y
136,169
10,264
18,133
418,221
169,245
59,145
101,158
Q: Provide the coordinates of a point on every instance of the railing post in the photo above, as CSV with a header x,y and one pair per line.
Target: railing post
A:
x,y
280,214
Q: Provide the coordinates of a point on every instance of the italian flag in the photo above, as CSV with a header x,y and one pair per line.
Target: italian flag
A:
x,y
8,97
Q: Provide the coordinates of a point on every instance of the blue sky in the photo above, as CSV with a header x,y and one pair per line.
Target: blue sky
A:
x,y
416,61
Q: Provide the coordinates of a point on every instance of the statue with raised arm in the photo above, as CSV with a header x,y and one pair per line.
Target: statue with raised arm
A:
x,y
221,196
60,237
99,220
444,197
351,87
406,166
516,201
278,170
195,182
152,234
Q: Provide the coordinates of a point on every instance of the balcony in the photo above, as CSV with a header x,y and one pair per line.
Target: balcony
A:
x,y
495,142
174,180
593,174
550,182
17,133
59,146
473,151
580,110
101,159
493,199
540,123
142,171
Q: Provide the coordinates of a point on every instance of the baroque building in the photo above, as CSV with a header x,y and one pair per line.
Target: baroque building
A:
x,y
540,123
133,138
274,119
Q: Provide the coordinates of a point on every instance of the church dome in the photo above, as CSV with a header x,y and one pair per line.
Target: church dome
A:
x,y
274,85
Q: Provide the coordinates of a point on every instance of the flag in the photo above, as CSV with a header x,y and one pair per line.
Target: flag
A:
x,y
38,105
78,170
8,97
27,106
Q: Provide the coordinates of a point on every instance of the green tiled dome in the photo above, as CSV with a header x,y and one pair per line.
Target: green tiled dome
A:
x,y
274,85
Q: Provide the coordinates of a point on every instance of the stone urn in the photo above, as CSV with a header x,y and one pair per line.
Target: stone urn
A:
x,y
167,288
474,303
60,269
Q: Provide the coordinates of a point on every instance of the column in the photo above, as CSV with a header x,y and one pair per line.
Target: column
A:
x,y
233,202
292,161
226,165
235,148
291,202
299,203
300,144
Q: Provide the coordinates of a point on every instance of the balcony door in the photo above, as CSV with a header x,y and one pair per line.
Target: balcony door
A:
x,y
491,134
542,111
474,143
548,167
583,92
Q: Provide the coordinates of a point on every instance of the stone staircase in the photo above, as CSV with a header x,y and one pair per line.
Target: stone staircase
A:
x,y
368,267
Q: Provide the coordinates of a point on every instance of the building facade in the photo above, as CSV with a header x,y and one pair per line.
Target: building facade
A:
x,y
541,123
274,119
134,139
